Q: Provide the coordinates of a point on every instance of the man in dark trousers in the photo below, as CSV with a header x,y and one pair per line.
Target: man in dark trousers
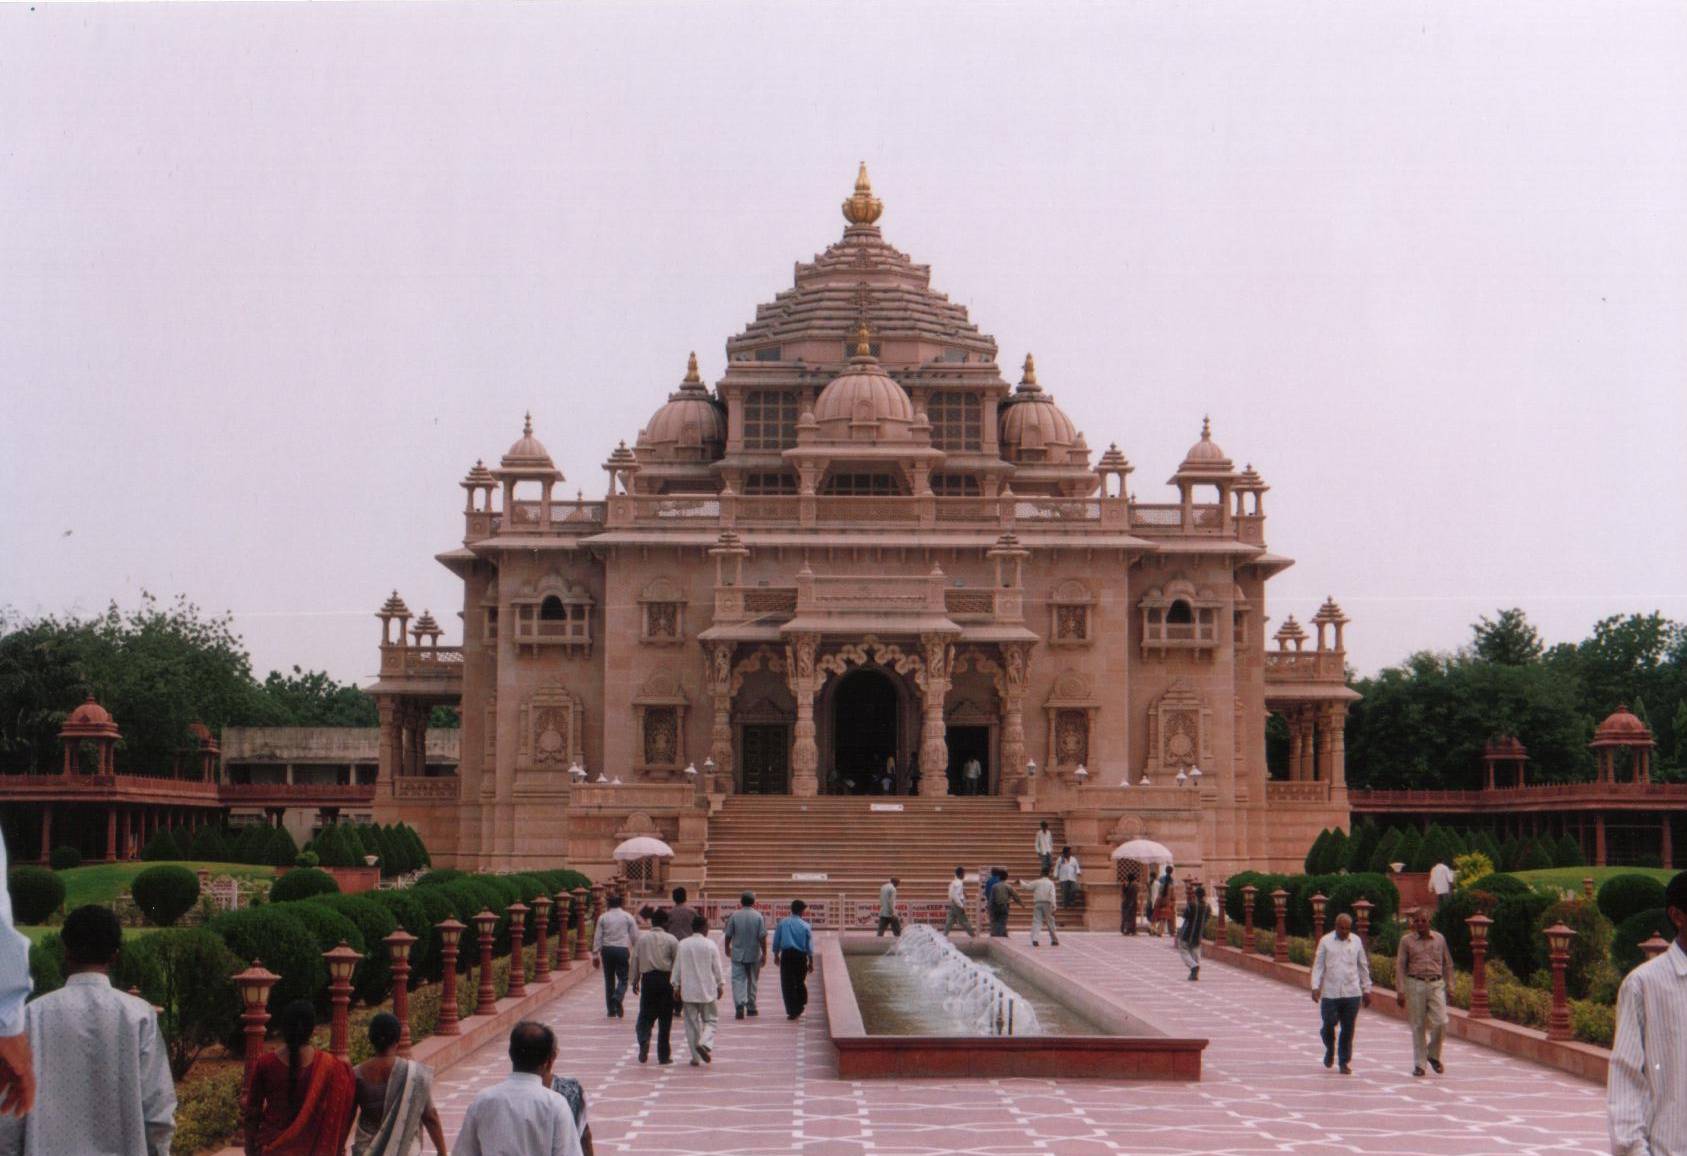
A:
x,y
653,959
680,916
793,953
1127,908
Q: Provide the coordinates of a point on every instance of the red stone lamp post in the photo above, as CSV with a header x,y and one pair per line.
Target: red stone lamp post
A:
x,y
582,949
450,933
1280,940
518,953
1218,925
399,944
542,942
1318,902
1479,925
598,890
486,922
1558,953
1587,886
564,950
1655,946
342,961
1362,920
254,984
1248,894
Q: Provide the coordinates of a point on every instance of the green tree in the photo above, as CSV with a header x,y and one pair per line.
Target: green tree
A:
x,y
310,698
1508,640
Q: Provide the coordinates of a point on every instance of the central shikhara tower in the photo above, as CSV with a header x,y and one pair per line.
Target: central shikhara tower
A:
x,y
863,555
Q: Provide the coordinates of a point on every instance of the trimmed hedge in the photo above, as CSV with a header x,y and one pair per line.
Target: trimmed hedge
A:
x,y
64,858
165,893
1622,897
280,850
441,875
163,847
304,883
186,972
46,965
1513,937
1590,948
1635,930
36,893
373,977
280,937
209,846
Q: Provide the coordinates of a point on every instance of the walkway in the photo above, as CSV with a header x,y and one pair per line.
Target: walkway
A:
x,y
773,1087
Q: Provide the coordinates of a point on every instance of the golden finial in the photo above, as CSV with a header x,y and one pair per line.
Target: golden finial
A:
x,y
691,376
862,208
863,340
1206,428
527,424
1030,377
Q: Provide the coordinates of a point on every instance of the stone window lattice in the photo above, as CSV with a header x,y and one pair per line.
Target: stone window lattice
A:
x,y
957,421
770,419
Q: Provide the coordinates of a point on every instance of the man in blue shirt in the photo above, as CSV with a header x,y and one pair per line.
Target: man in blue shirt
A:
x,y
793,951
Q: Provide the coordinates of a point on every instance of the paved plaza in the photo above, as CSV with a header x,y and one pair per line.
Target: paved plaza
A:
x,y
774,1088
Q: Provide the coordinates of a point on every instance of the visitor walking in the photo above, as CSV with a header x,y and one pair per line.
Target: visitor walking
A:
x,y
653,960
957,912
1066,873
1189,934
1001,895
680,916
793,954
1042,909
1127,907
1341,982
745,933
887,908
522,1116
972,777
302,1102
17,1068
394,1097
612,949
1162,901
574,1093
698,985
100,1062
1045,846
1648,1080
1424,968
1441,879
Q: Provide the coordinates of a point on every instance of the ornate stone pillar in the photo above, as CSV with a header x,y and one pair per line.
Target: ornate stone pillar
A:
x,y
1338,746
1308,744
1325,770
390,748
720,737
934,682
1294,747
805,754
1016,673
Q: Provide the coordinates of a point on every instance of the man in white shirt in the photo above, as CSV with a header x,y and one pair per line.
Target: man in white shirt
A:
x,y
957,913
522,1116
1647,1092
612,949
1341,982
887,908
972,776
1045,846
1441,879
1066,873
17,1067
698,983
1042,909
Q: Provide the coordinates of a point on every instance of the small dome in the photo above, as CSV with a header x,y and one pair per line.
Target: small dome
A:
x,y
1622,724
91,713
1505,747
89,721
1206,456
527,451
1031,422
864,392
394,607
692,425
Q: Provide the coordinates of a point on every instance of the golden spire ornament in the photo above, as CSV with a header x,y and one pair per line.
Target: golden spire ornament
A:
x,y
863,340
1030,376
862,208
691,375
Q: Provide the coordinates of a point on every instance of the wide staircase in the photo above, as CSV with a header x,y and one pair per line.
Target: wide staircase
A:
x,y
842,849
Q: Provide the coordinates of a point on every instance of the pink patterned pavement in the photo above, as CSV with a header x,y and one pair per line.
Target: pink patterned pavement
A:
x,y
773,1087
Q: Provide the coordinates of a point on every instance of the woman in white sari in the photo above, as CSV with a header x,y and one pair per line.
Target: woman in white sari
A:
x,y
394,1098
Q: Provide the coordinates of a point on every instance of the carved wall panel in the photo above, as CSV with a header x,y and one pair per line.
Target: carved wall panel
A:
x,y
549,729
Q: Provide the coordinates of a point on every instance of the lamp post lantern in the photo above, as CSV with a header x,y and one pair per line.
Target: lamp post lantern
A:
x,y
1558,954
542,942
1280,940
1362,919
485,923
518,952
450,934
581,949
1655,946
564,956
398,950
1218,925
1248,894
1479,925
1318,902
342,961
254,984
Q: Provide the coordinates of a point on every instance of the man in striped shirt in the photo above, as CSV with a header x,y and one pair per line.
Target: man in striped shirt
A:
x,y
1648,1081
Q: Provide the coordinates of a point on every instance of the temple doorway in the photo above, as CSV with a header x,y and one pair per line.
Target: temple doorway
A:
x,y
966,744
766,758
865,730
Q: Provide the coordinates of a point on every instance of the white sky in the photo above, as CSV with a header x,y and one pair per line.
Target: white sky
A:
x,y
271,278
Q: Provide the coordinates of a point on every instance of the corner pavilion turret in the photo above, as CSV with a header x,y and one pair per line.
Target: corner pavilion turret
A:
x,y
861,554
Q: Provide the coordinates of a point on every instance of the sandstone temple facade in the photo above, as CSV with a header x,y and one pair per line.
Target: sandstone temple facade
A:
x,y
861,553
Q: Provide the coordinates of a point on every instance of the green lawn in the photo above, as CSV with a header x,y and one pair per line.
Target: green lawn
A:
x,y
35,933
1570,878
104,882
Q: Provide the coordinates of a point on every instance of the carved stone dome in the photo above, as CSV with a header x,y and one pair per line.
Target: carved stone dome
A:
x,y
1622,724
527,452
863,393
690,427
1206,454
1031,424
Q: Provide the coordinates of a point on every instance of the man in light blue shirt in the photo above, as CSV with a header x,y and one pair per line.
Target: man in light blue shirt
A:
x,y
17,1070
793,951
522,1116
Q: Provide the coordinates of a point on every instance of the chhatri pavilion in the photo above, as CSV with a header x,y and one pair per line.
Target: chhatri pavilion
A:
x,y
863,555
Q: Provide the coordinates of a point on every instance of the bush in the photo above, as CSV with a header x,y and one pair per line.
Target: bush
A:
x,y
1406,850
209,845
251,844
1516,927
186,972
36,893
303,883
439,908
1313,864
440,875
46,964
165,893
1264,915
1362,846
286,944
1635,930
328,929
64,858
1591,1022
163,847
410,912
1568,852
373,979
1383,854
1472,866
280,850
1622,897
1535,857
1437,847
306,858
208,1110
1351,888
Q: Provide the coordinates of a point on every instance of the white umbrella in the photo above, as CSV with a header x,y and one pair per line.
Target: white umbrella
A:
x,y
644,847
1143,851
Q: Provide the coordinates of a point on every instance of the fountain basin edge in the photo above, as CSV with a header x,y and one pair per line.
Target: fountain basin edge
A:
x,y
1105,1057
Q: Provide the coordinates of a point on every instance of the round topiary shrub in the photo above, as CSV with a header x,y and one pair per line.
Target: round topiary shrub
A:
x,y
64,858
1635,930
1516,927
440,875
279,848
284,943
1623,896
36,893
186,972
162,847
304,883
1349,889
374,923
208,846
165,893
1590,947
47,963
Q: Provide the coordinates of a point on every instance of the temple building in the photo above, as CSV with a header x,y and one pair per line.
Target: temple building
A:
x,y
862,562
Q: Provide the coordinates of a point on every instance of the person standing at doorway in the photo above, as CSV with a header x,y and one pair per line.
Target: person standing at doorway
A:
x,y
957,912
1127,907
1045,846
653,961
1042,908
745,934
699,986
612,950
1341,982
793,954
1066,872
972,777
887,908
887,781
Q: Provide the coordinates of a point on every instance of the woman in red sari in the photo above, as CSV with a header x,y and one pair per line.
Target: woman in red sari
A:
x,y
302,1101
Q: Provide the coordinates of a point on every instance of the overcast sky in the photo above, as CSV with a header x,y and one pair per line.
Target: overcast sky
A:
x,y
272,278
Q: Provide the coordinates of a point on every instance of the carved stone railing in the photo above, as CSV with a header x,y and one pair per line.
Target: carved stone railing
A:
x,y
768,508
677,508
878,592
416,789
1149,516
1305,666
770,600
1301,792
1566,796
20,788
866,509
255,794
970,604
441,662
1057,510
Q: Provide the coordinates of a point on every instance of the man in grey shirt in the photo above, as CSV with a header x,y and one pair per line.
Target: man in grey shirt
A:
x,y
887,908
745,934
680,916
